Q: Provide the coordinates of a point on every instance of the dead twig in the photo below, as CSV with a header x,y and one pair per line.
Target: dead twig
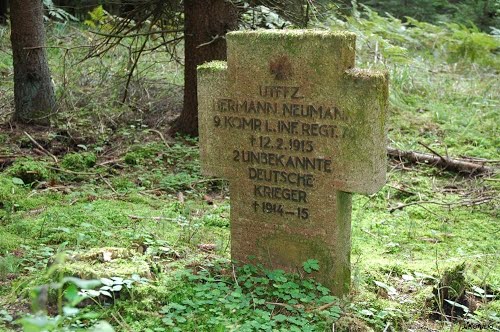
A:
x,y
284,305
57,47
323,307
480,160
134,66
401,190
432,151
401,206
194,183
149,33
71,172
369,233
234,276
121,322
133,217
111,161
108,184
214,39
42,148
9,156
161,136
478,201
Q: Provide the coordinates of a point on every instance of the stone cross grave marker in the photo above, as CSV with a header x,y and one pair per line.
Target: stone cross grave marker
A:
x,y
296,129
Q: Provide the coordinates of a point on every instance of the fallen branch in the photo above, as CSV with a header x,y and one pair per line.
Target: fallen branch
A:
x,y
471,202
42,148
111,161
285,305
323,307
6,160
194,183
478,201
161,136
149,33
234,276
445,163
71,172
214,39
9,156
108,184
121,322
133,217
401,206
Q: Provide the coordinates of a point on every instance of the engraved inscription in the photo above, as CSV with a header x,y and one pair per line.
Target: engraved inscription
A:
x,y
280,157
280,92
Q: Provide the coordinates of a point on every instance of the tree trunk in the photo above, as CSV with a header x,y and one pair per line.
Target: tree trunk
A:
x,y
206,23
33,90
3,11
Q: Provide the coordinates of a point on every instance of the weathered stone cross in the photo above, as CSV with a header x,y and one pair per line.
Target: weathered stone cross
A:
x,y
296,129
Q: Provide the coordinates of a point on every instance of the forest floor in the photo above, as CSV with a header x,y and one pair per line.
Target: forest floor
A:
x,y
106,194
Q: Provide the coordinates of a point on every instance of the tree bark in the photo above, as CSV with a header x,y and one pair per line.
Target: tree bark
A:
x,y
3,11
33,91
206,23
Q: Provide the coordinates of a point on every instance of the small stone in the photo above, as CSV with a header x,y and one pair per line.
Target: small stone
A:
x,y
106,256
407,277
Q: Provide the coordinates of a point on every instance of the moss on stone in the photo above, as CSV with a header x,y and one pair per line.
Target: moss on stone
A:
x,y
351,324
367,74
290,34
291,40
101,254
140,153
8,240
29,170
212,66
79,161
106,262
294,247
115,268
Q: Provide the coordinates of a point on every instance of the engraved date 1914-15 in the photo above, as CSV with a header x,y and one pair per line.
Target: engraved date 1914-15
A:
x,y
276,208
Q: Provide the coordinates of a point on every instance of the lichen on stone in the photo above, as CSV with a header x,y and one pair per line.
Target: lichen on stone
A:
x,y
292,33
367,73
102,254
106,262
213,66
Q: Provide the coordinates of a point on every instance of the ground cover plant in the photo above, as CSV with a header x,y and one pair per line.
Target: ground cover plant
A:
x,y
106,223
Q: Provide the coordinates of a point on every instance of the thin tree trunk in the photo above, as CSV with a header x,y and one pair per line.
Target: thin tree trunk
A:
x,y
4,4
206,23
33,90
